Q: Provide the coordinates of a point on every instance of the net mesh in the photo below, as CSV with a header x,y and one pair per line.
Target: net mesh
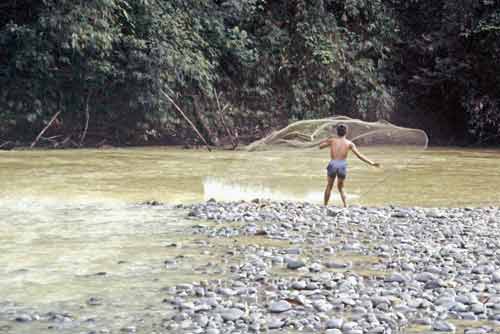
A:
x,y
309,133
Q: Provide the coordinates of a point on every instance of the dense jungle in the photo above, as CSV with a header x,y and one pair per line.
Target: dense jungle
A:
x,y
119,72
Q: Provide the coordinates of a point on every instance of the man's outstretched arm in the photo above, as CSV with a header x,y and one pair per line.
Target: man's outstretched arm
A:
x,y
362,157
324,143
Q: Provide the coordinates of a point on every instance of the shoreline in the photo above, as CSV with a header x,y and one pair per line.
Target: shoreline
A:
x,y
362,270
295,267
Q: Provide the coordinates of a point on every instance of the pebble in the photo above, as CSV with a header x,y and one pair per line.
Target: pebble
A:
x,y
444,326
333,331
212,331
294,264
275,323
232,314
280,306
23,318
335,323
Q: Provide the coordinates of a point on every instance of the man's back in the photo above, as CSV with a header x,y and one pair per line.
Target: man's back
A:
x,y
337,167
339,148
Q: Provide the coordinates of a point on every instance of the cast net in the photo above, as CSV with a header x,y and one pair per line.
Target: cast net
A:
x,y
309,133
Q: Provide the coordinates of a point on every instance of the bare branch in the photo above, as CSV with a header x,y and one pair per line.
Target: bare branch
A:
x,y
186,118
45,129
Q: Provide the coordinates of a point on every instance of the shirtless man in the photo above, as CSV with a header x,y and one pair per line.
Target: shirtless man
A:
x,y
339,148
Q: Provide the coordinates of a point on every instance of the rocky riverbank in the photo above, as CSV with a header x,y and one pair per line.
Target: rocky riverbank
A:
x,y
289,267
356,271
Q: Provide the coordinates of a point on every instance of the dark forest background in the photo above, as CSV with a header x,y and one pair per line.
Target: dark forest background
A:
x,y
97,71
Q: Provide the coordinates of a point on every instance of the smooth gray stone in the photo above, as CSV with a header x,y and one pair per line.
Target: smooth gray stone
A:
x,y
202,308
348,301
477,308
300,285
425,277
232,314
338,265
459,307
495,277
396,277
353,331
469,316
294,264
347,326
184,286
380,300
275,323
322,306
335,323
434,284
279,307
408,266
226,292
376,330
295,251
483,269
212,331
475,331
424,321
187,306
443,326
444,301
315,268
333,331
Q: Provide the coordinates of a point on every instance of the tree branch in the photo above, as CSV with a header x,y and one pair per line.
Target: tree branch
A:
x,y
45,129
186,118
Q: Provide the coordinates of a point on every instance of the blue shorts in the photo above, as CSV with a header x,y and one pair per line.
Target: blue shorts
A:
x,y
337,168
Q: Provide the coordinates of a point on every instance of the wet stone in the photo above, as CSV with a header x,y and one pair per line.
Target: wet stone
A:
x,y
294,264
23,318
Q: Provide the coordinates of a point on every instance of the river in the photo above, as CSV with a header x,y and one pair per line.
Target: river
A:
x,y
74,238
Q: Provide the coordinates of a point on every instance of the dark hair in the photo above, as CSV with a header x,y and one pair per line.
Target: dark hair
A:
x,y
341,130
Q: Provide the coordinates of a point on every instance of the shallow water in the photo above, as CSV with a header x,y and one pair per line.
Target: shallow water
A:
x,y
71,229
435,177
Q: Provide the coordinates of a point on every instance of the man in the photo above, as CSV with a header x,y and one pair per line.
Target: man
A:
x,y
339,149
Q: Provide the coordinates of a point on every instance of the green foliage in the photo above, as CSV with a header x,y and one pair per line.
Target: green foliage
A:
x,y
449,61
268,61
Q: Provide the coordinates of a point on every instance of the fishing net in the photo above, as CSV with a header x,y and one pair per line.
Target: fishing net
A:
x,y
309,133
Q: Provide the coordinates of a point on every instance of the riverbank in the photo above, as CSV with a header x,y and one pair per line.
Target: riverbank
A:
x,y
355,271
271,266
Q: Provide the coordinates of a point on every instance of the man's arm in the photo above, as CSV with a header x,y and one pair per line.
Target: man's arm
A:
x,y
324,143
362,157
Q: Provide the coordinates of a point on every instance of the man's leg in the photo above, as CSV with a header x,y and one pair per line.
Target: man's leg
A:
x,y
328,190
340,187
